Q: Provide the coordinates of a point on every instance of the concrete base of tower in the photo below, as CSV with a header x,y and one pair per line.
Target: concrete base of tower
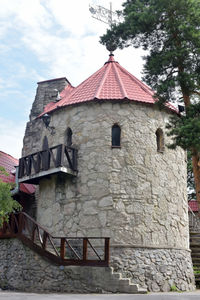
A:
x,y
162,269
22,269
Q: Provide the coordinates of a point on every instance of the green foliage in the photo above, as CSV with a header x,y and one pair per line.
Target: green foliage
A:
x,y
196,270
3,171
7,203
174,288
185,130
190,178
170,31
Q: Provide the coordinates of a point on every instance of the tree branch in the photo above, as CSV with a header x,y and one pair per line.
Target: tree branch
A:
x,y
195,92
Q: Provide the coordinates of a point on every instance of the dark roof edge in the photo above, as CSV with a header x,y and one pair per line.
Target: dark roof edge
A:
x,y
124,100
53,80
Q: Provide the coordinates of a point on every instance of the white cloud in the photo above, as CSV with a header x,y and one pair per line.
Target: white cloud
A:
x,y
63,36
11,137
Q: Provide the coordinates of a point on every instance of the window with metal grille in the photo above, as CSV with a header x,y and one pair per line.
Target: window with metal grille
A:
x,y
160,140
116,136
69,137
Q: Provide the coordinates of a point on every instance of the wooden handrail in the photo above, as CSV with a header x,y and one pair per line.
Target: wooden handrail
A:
x,y
57,249
45,159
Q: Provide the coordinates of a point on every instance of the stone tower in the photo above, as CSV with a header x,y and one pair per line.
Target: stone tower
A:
x,y
128,185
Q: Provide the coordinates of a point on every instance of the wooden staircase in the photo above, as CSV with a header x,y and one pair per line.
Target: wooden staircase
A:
x,y
78,251
70,251
195,248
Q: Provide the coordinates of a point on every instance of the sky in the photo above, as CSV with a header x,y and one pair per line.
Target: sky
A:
x,y
46,39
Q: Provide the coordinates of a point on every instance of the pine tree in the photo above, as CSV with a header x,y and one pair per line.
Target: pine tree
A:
x,y
170,32
190,178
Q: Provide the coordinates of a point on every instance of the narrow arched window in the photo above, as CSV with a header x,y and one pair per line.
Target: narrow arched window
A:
x,y
45,154
160,140
116,136
69,137
45,144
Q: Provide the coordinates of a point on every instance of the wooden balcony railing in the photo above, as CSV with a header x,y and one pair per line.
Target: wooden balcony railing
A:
x,y
82,251
60,156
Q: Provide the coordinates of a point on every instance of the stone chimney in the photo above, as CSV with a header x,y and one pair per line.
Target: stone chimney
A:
x,y
46,92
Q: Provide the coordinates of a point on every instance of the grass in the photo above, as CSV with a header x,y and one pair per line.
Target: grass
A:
x,y
196,270
174,288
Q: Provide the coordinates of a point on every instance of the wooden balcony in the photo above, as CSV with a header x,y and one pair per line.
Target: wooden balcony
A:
x,y
60,159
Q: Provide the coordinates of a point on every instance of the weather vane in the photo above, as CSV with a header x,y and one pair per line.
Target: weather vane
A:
x,y
103,14
107,16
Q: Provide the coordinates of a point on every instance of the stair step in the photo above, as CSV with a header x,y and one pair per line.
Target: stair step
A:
x,y
107,279
197,259
197,279
124,281
195,255
197,234
194,245
195,252
194,233
196,265
125,285
196,242
142,291
117,275
195,249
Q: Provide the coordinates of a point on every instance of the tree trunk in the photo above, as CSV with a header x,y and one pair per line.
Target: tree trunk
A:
x,y
196,173
195,159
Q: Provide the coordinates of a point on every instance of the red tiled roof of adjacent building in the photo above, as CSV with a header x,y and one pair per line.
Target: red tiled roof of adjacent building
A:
x,y
193,205
9,162
111,82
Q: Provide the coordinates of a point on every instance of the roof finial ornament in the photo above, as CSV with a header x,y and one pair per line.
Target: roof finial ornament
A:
x,y
109,17
111,46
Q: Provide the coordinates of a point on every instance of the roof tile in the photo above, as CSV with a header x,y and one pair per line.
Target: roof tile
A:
x,y
111,82
9,163
193,205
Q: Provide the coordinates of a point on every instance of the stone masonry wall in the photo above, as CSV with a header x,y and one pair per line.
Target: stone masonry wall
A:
x,y
45,94
155,269
21,269
133,194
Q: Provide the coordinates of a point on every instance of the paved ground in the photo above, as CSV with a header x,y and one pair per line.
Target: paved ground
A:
x,y
151,296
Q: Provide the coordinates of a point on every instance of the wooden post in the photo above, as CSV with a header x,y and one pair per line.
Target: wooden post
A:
x,y
107,251
60,155
62,248
21,222
4,227
11,221
74,159
21,168
38,162
44,240
85,248
33,234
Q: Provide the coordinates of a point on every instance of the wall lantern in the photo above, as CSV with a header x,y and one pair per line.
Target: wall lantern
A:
x,y
46,118
181,108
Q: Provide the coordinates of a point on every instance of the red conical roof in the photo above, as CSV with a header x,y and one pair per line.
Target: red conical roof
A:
x,y
111,82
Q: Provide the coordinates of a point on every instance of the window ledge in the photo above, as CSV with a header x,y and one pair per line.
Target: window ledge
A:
x,y
113,147
160,151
